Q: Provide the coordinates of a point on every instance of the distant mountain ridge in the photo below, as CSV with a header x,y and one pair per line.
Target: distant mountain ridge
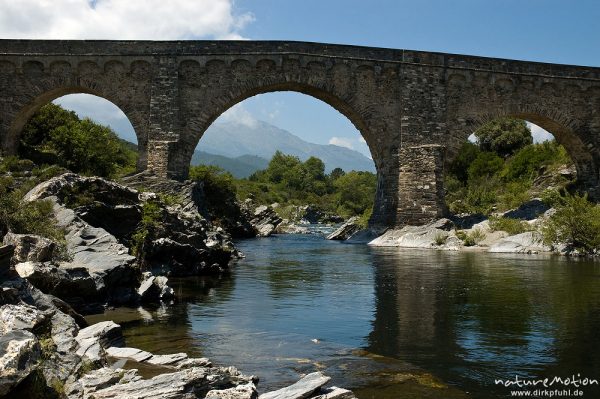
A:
x,y
240,167
236,140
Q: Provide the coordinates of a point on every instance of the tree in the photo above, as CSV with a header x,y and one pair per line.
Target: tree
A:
x,y
355,191
336,174
504,136
57,136
460,165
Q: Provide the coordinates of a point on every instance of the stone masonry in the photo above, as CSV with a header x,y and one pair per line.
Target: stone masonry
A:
x,y
413,108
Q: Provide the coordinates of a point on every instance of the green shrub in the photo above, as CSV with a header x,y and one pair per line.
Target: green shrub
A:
x,y
511,226
20,217
151,217
472,238
440,238
576,222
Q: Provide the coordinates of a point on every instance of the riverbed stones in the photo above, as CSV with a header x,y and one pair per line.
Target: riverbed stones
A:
x,y
95,380
19,317
167,360
190,383
335,393
155,289
302,389
19,355
245,391
30,247
128,353
93,340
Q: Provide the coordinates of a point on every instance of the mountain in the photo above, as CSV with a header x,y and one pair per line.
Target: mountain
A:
x,y
261,139
240,167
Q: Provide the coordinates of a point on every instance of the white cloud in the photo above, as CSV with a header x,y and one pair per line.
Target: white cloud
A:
x,y
357,143
539,134
121,19
342,142
238,114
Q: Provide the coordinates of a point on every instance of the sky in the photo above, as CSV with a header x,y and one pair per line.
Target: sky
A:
x,y
536,30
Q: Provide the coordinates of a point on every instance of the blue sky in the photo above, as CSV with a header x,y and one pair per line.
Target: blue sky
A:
x,y
538,30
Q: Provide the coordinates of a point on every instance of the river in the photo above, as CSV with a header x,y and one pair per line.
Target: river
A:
x,y
385,322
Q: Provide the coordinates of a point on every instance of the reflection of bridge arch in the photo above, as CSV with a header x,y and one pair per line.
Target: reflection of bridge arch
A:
x,y
410,106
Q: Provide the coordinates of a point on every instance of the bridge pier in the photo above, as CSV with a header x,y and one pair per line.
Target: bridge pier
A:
x,y
420,185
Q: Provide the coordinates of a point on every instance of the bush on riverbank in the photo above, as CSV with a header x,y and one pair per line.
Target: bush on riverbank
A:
x,y
20,217
575,223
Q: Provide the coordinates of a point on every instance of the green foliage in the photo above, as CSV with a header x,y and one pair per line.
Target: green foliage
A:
x,y
465,157
18,216
151,217
56,136
219,188
576,223
511,226
484,166
355,191
504,136
363,220
527,161
481,181
289,181
472,238
440,238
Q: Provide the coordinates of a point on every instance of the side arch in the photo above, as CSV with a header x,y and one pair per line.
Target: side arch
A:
x,y
24,112
568,132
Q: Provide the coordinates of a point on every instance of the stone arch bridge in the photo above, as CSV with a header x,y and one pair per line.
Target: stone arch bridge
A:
x,y
413,108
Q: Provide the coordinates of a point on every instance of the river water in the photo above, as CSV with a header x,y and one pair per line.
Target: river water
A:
x,y
385,322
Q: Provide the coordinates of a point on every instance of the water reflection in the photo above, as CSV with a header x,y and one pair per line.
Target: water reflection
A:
x,y
388,323
471,318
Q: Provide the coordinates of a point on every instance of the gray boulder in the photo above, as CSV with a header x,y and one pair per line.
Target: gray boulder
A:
x,y
30,247
19,317
263,219
529,242
19,355
86,386
94,340
305,388
195,382
246,391
346,230
155,289
437,234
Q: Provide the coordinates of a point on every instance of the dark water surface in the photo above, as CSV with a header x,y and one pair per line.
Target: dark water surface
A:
x,y
388,323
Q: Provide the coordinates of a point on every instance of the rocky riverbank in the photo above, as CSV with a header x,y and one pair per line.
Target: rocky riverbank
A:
x,y
477,233
47,350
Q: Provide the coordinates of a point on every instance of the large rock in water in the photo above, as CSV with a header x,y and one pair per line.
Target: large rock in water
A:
x,y
346,230
264,219
426,236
